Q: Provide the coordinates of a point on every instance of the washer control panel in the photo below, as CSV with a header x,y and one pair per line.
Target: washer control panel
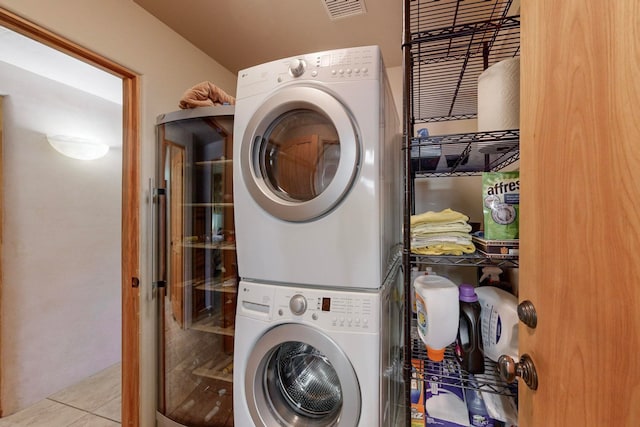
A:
x,y
332,310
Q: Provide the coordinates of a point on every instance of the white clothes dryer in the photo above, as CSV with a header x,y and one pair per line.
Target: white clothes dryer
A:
x,y
317,174
316,358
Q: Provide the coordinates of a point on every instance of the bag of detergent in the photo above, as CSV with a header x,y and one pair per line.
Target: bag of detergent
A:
x,y
501,205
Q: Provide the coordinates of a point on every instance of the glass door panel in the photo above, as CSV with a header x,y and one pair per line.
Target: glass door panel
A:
x,y
197,302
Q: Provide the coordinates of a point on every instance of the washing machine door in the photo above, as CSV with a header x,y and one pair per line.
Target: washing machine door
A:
x,y
300,153
298,376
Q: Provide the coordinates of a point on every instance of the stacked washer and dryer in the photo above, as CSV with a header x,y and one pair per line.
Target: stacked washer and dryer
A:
x,y
317,202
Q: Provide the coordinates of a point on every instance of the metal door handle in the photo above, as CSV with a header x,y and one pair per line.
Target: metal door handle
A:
x,y
160,235
524,369
527,314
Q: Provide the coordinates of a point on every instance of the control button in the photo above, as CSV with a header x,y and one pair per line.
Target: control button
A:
x,y
297,67
314,316
298,304
341,71
314,73
333,72
357,70
365,69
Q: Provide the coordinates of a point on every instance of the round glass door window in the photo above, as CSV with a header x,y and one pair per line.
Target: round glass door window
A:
x,y
299,155
297,376
302,385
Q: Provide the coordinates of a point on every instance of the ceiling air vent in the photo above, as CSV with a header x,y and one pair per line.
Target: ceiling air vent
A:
x,y
342,8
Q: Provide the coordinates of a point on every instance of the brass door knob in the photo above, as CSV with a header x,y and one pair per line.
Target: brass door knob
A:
x,y
524,369
527,314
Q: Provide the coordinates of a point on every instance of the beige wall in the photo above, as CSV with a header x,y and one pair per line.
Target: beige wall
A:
x,y
125,33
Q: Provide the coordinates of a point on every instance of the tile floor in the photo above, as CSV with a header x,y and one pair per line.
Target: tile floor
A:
x,y
94,402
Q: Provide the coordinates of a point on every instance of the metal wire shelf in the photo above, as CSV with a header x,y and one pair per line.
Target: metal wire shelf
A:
x,y
463,154
450,373
426,15
451,42
468,260
447,44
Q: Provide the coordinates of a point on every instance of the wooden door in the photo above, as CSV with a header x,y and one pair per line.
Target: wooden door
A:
x,y
580,207
1,231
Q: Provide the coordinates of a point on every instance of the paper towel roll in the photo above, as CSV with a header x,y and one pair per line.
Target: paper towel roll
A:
x,y
499,96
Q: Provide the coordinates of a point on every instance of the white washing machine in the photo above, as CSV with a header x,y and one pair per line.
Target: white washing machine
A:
x,y
317,173
315,358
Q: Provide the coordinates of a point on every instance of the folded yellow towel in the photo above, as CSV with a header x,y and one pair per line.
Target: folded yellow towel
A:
x,y
205,94
441,233
445,249
446,215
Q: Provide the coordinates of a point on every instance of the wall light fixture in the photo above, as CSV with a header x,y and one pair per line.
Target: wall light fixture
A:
x,y
78,148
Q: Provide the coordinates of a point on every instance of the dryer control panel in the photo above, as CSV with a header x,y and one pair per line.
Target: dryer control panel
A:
x,y
340,65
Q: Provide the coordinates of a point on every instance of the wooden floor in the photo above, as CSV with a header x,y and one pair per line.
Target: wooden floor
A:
x,y
94,402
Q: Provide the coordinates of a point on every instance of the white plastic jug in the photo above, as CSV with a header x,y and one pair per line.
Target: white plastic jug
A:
x,y
499,319
438,311
415,273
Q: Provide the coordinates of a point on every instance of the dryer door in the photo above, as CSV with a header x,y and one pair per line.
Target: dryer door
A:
x,y
298,376
299,153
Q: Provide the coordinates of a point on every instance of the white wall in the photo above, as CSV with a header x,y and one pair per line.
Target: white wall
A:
x,y
61,315
169,65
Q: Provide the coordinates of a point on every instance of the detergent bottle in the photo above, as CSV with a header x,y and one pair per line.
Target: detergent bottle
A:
x,y
437,312
469,348
499,322
478,414
415,273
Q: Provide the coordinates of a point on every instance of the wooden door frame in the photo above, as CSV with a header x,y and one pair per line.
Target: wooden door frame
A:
x,y
130,202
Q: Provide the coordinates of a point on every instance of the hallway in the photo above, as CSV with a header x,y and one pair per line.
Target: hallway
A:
x,y
94,402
